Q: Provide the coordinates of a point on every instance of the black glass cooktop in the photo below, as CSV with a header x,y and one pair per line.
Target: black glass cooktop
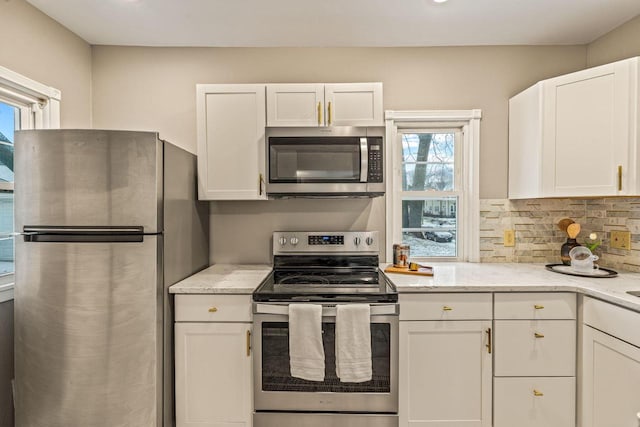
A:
x,y
324,278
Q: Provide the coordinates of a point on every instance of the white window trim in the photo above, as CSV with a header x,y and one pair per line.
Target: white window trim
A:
x,y
40,109
44,100
6,292
469,220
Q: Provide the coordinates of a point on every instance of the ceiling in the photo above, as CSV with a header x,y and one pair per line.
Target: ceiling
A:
x,y
337,23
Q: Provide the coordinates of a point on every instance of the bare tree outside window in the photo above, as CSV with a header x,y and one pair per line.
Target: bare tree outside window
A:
x,y
429,211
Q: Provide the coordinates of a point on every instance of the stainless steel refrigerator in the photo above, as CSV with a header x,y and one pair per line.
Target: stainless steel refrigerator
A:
x,y
109,220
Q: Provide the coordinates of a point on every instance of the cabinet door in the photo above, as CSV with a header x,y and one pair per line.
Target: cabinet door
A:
x,y
295,105
445,374
354,104
213,375
611,381
586,132
231,142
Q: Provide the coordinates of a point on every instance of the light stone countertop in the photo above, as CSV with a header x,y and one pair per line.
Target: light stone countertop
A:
x,y
223,279
448,277
517,277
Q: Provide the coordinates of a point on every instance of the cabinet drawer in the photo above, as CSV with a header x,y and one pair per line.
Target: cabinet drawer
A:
x,y
535,348
533,305
534,402
469,306
213,308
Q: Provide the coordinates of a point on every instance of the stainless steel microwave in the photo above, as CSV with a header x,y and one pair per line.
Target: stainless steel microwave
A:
x,y
332,163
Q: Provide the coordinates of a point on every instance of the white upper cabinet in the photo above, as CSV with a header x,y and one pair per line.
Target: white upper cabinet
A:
x,y
317,105
295,105
231,141
576,135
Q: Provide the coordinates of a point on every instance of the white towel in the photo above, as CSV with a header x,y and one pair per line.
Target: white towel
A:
x,y
306,352
353,343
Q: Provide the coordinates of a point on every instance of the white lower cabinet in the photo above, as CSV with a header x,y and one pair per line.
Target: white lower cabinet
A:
x,y
534,402
610,366
445,365
213,381
535,360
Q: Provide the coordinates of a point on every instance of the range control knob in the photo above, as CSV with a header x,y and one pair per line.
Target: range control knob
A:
x,y
357,241
282,241
369,241
294,241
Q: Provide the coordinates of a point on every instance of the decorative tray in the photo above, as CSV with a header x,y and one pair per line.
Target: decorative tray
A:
x,y
566,269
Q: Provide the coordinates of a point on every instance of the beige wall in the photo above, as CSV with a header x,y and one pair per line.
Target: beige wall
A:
x,y
154,89
37,47
623,42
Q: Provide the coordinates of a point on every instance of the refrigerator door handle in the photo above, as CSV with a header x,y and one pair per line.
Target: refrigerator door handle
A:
x,y
81,234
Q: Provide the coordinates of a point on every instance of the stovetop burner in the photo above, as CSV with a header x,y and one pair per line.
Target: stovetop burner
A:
x,y
326,267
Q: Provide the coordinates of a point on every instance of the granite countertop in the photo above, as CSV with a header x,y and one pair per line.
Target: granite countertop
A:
x,y
517,277
448,277
223,279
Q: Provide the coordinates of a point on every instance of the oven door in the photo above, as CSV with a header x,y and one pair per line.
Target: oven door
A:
x,y
277,390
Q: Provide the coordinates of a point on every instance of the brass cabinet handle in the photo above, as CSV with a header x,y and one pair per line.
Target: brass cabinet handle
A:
x,y
260,182
213,309
319,113
446,308
488,345
620,178
329,114
248,343
537,393
538,307
538,335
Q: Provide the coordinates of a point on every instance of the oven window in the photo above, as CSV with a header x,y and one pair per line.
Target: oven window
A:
x,y
276,375
314,160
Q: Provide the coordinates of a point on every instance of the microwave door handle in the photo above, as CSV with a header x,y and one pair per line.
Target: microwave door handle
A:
x,y
364,159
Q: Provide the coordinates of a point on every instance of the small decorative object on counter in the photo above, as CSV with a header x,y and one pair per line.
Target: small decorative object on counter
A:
x,y
401,255
582,259
566,248
592,242
572,229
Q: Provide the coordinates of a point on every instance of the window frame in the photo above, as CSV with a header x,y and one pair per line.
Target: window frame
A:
x,y
468,209
39,107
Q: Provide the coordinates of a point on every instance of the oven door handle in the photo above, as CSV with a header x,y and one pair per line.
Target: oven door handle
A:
x,y
283,309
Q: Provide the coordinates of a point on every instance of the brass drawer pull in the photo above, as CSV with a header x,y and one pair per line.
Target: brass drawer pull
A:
x,y
538,335
212,309
538,307
446,308
537,393
488,345
319,113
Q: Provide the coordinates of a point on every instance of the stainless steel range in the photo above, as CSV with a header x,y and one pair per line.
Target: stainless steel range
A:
x,y
327,269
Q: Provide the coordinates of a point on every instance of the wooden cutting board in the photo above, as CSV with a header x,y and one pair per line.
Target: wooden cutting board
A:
x,y
422,271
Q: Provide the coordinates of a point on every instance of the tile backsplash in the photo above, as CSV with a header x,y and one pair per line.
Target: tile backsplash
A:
x,y
538,238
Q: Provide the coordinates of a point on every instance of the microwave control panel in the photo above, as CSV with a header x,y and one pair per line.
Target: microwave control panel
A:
x,y
374,174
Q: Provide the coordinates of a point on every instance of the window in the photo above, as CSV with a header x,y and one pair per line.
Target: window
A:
x,y
24,104
432,192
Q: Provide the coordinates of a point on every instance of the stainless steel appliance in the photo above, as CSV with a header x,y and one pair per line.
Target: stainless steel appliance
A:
x,y
337,162
109,219
327,268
